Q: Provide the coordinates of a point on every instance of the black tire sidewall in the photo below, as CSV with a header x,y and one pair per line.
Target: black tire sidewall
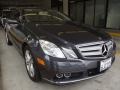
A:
x,y
8,41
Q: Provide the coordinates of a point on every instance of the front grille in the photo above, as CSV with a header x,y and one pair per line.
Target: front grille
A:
x,y
94,50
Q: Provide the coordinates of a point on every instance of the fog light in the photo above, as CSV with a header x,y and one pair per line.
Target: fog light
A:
x,y
59,75
67,75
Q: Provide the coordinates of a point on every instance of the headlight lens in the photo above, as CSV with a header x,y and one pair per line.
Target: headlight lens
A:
x,y
69,53
51,49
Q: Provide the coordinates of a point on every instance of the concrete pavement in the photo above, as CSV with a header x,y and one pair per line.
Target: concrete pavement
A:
x,y
0,74
14,75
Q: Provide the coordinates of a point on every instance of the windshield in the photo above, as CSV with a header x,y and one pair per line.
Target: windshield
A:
x,y
46,16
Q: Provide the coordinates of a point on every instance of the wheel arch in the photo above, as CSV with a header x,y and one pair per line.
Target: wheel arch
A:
x,y
23,47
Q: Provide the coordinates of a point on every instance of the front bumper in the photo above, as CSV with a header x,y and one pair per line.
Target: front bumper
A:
x,y
70,81
79,69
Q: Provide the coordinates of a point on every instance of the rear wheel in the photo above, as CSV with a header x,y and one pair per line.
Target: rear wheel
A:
x,y
5,26
7,39
31,65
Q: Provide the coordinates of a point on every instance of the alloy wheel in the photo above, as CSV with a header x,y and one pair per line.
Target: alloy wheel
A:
x,y
29,63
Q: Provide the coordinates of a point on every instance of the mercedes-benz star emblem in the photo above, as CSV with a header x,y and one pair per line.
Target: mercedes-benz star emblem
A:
x,y
104,50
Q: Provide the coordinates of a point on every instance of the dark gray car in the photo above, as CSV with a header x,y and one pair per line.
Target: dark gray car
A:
x,y
58,50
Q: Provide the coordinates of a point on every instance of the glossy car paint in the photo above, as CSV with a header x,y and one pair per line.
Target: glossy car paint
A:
x,y
66,35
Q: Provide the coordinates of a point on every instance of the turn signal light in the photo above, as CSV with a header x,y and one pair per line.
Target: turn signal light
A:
x,y
41,61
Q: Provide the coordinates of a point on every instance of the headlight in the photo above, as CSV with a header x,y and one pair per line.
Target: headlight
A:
x,y
51,49
69,53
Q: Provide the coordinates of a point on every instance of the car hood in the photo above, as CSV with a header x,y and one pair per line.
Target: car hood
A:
x,y
70,33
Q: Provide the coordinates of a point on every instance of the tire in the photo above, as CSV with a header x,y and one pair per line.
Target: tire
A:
x,y
31,65
4,27
7,39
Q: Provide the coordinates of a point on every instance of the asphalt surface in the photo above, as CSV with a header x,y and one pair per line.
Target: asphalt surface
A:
x,y
14,76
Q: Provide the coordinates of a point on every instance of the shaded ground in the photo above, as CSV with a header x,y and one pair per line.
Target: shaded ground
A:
x,y
0,76
0,69
14,76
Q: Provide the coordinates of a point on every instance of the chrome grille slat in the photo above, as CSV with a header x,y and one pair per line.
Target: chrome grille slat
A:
x,y
93,50
89,48
90,44
91,53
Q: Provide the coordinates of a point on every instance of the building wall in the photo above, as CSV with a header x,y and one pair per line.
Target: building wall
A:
x,y
65,6
113,19
30,3
97,13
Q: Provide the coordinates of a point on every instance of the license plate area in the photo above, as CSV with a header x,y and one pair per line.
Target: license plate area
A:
x,y
105,64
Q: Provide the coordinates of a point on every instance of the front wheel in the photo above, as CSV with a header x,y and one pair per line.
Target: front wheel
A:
x,y
31,65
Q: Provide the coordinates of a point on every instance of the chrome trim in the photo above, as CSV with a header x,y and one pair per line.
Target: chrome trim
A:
x,y
71,81
94,50
92,43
